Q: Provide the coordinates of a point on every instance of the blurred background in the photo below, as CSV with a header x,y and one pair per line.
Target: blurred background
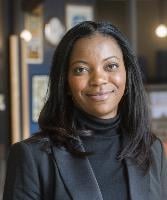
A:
x,y
29,33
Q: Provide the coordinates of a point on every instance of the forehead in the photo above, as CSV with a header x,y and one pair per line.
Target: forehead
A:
x,y
96,44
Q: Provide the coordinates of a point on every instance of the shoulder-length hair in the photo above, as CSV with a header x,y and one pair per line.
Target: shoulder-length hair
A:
x,y
57,118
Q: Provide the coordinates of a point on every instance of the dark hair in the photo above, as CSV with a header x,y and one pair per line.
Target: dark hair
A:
x,y
57,118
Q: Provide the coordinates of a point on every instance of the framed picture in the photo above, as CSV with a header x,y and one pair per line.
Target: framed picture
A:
x,y
34,24
2,102
78,13
39,94
158,105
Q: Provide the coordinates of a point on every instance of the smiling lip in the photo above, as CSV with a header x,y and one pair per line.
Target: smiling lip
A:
x,y
100,96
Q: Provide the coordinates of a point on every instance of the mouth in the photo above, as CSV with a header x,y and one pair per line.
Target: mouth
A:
x,y
100,96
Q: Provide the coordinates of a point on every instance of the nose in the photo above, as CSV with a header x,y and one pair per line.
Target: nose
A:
x,y
97,78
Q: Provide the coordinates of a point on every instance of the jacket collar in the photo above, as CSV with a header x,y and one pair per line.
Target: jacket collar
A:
x,y
78,175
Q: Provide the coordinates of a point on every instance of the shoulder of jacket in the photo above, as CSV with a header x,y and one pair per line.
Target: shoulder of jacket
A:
x,y
157,147
158,154
36,144
37,138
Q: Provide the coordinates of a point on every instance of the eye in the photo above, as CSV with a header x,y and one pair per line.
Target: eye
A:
x,y
111,66
80,70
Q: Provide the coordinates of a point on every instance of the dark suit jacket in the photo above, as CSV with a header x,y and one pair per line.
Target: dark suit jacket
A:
x,y
37,170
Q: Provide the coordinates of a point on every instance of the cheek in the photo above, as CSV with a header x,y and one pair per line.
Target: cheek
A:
x,y
76,85
120,80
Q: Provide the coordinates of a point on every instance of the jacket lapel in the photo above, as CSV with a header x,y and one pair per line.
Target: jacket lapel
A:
x,y
139,183
77,175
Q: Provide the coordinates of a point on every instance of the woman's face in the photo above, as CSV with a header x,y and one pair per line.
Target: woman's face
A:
x,y
97,75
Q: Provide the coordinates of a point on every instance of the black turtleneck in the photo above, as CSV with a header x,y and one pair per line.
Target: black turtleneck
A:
x,y
105,142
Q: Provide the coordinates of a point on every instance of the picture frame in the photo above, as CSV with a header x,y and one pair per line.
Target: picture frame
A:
x,y
39,95
34,24
78,13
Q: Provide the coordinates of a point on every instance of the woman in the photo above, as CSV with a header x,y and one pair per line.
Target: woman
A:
x,y
95,140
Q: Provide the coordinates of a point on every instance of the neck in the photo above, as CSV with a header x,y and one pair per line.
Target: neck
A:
x,y
101,127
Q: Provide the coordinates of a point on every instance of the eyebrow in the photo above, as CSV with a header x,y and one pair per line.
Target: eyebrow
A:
x,y
84,62
79,61
111,57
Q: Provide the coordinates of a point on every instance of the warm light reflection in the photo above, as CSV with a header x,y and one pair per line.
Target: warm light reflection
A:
x,y
26,35
161,31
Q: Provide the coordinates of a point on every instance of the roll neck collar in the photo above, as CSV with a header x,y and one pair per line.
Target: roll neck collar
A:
x,y
100,127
